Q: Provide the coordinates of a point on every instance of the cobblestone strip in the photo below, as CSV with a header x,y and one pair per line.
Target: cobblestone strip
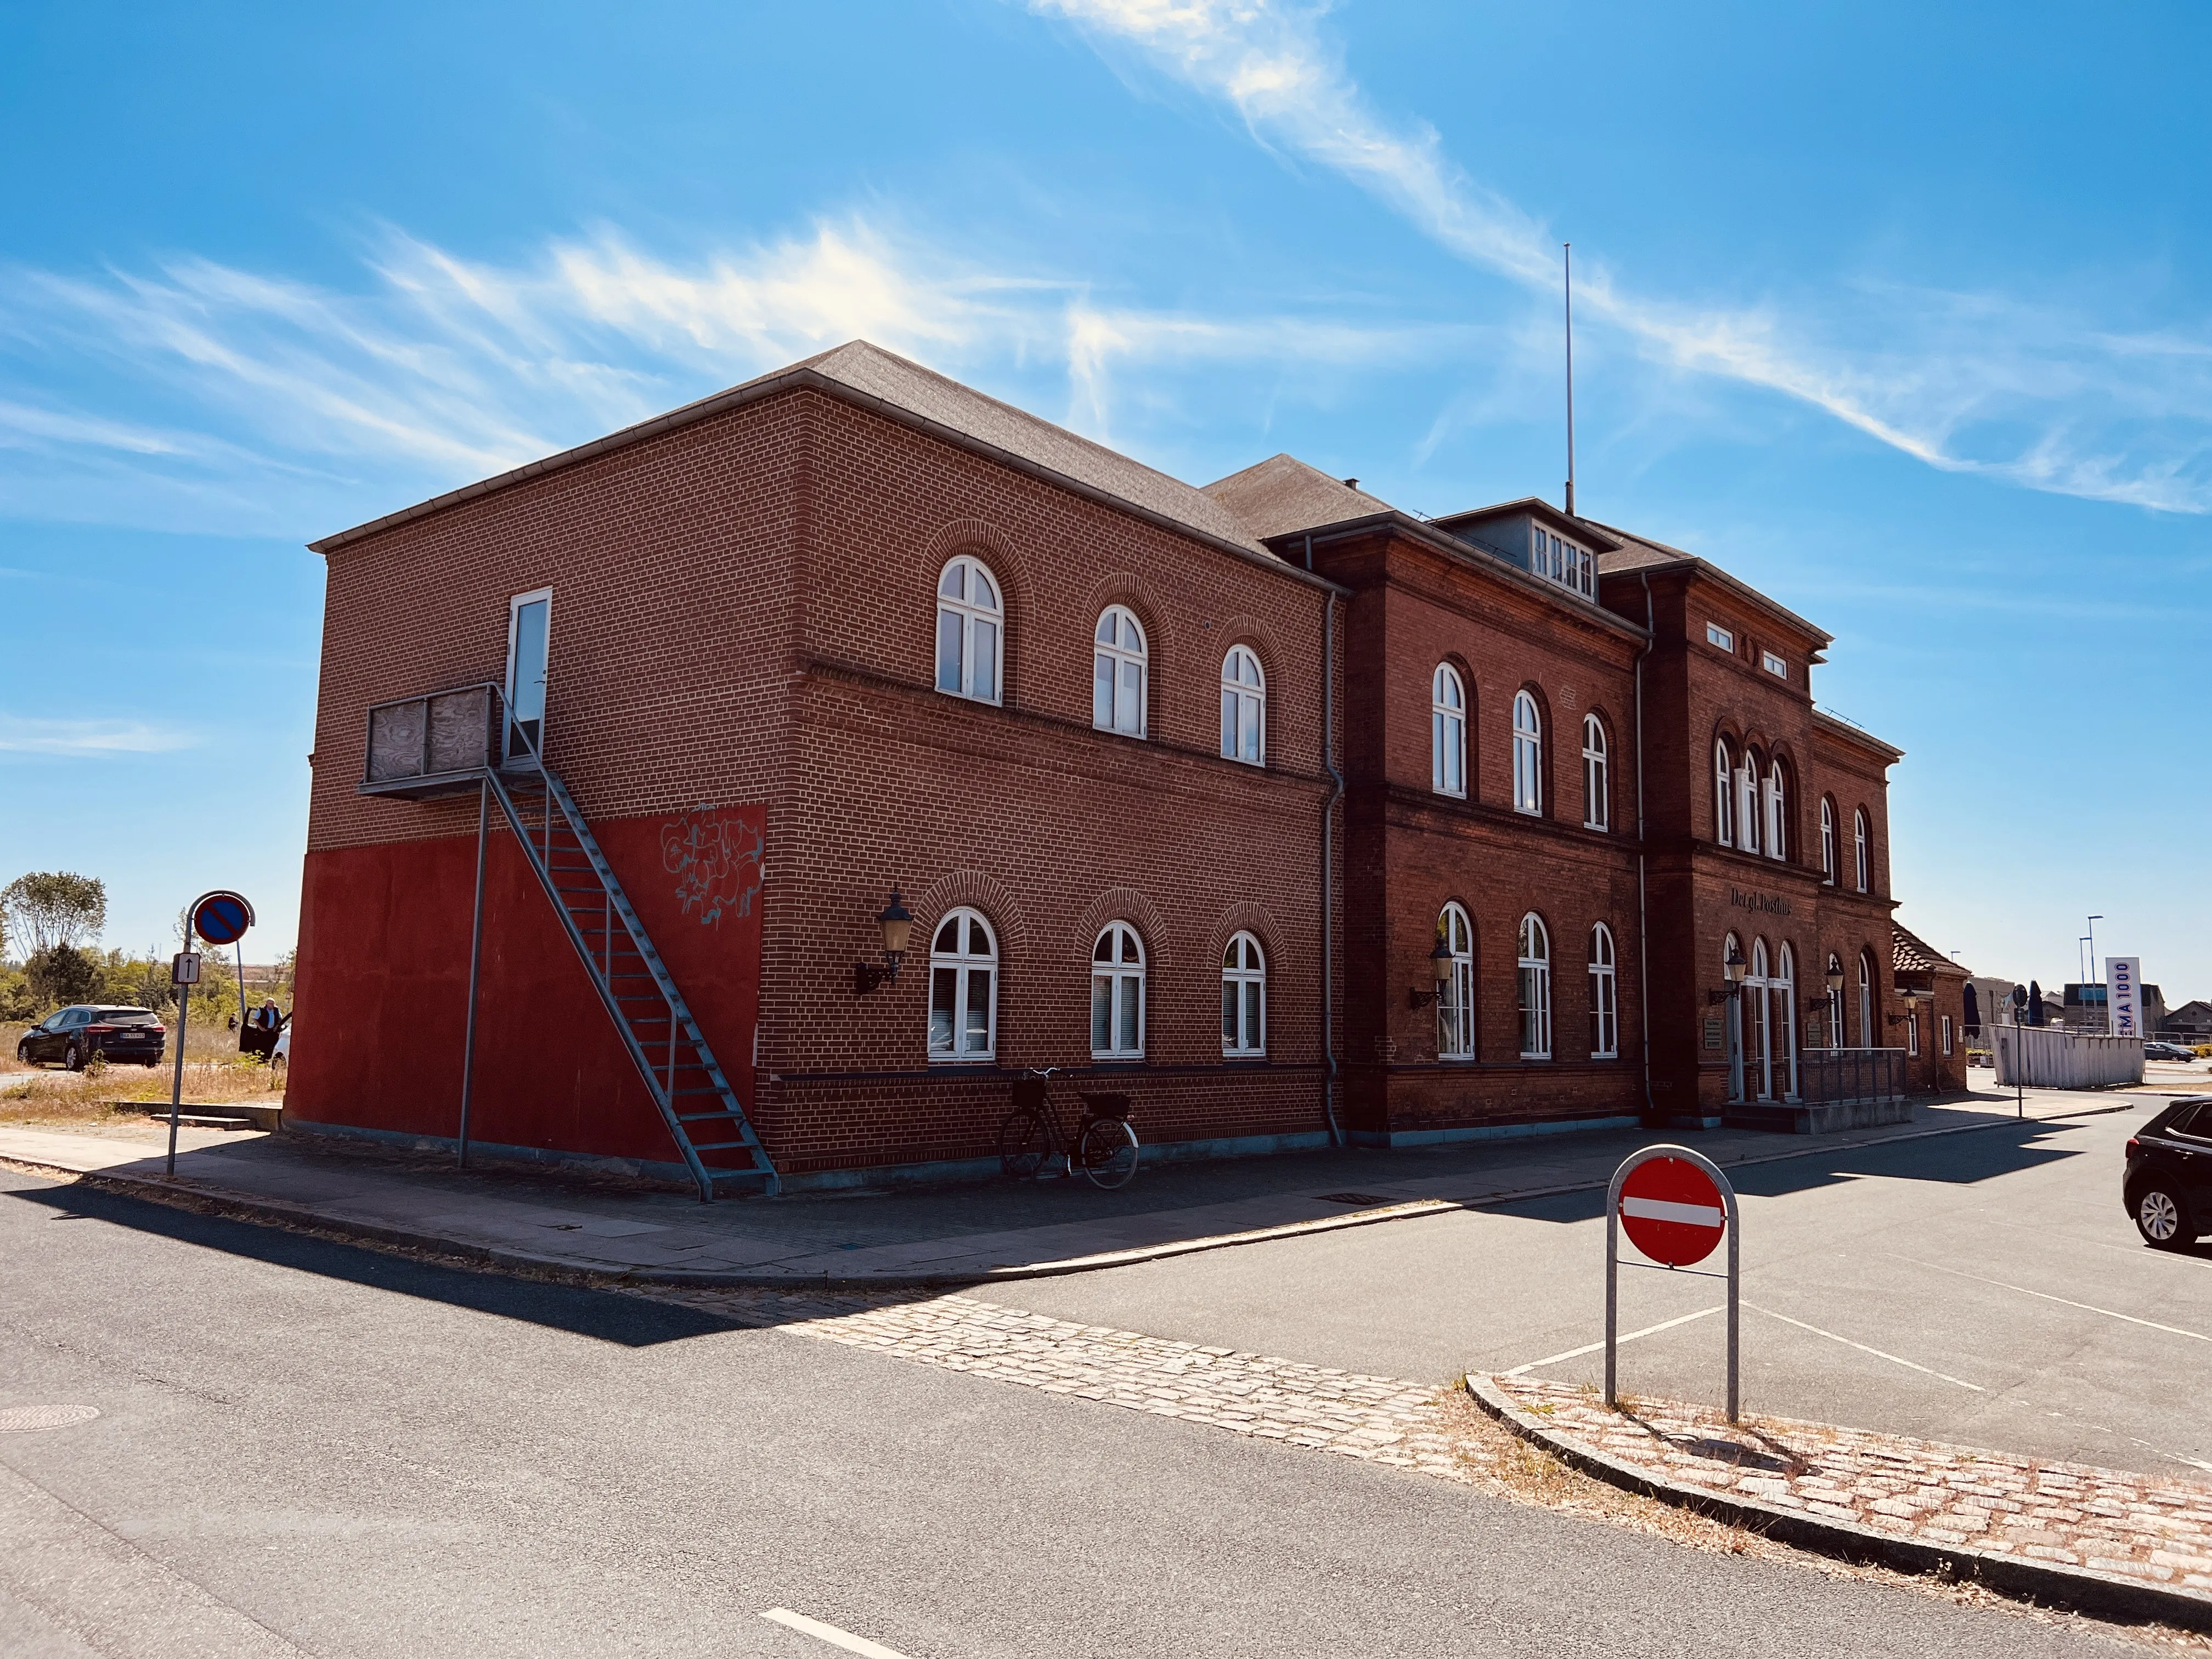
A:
x,y
2133,1527
1379,1419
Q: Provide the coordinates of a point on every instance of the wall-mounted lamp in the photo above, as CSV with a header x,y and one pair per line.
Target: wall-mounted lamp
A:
x,y
1733,968
1835,977
896,922
1440,967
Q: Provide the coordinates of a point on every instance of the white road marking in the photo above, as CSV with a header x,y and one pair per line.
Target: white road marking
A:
x,y
832,1635
2172,1330
1592,1347
1661,1209
1892,1358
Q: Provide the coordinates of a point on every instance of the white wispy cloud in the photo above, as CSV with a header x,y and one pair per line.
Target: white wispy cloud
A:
x,y
1963,382
287,397
23,734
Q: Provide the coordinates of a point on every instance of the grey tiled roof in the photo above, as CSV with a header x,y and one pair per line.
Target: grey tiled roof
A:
x,y
1283,493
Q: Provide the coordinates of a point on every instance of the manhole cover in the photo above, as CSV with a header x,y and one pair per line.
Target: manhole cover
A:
x,y
1354,1198
44,1417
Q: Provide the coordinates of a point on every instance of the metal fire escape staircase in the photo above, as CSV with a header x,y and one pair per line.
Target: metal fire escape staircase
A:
x,y
687,1083
455,741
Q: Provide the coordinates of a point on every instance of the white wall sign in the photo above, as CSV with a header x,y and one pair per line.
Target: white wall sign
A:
x,y
2122,995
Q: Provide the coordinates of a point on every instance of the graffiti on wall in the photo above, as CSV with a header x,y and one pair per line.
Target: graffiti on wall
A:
x,y
715,857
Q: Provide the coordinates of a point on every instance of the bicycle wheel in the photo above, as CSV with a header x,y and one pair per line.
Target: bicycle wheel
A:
x,y
1108,1152
1023,1143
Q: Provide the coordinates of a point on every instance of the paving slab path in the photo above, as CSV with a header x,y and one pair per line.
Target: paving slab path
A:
x,y
903,1237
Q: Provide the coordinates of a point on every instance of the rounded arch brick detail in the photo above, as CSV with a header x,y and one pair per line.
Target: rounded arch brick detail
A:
x,y
975,890
1121,904
1256,920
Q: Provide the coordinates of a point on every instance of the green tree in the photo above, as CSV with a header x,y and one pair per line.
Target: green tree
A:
x,y
48,908
62,974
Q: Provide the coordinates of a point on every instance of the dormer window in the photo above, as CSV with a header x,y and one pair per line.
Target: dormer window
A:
x,y
1774,664
1572,567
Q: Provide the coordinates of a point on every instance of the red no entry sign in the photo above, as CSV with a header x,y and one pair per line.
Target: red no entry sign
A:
x,y
1672,1211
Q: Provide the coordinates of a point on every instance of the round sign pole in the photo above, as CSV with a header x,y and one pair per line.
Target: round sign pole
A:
x,y
221,917
1677,1210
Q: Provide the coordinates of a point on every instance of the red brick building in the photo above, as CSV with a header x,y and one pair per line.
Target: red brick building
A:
x,y
1288,816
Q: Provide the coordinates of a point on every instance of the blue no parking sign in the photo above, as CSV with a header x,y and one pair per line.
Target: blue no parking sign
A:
x,y
221,918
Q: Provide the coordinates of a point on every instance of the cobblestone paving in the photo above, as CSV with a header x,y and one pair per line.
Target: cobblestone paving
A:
x,y
1378,1420
2132,1526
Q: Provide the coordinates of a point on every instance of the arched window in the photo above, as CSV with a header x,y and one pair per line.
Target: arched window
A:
x,y
963,987
1758,1017
1117,673
1117,994
1243,708
1783,990
970,623
1605,1024
1723,795
1597,811
1828,840
1862,851
1777,804
1447,731
1866,999
1746,801
1456,998
1244,998
1527,755
1535,988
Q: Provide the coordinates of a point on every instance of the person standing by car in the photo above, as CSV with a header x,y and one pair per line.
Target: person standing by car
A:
x,y
262,1025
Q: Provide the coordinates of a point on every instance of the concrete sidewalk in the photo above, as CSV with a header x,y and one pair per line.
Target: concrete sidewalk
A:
x,y
901,1238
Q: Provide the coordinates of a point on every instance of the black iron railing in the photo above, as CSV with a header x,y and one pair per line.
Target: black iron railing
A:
x,y
1836,1077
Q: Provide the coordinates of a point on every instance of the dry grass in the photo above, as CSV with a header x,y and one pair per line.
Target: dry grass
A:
x,y
215,1073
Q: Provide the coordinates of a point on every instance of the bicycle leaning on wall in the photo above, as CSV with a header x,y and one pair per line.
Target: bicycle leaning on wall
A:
x,y
1104,1146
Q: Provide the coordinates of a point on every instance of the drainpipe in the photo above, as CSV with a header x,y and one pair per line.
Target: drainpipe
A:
x,y
1643,930
1329,857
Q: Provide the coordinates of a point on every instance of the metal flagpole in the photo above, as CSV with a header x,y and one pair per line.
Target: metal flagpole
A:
x,y
1568,248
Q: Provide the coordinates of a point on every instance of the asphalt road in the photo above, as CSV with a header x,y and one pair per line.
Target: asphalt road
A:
x,y
305,1447
1984,1288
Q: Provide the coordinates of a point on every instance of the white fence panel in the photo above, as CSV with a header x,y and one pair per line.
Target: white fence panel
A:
x,y
2043,1057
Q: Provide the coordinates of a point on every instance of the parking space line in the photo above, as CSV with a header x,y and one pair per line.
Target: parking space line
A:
x,y
2172,1330
1592,1347
1893,1359
831,1634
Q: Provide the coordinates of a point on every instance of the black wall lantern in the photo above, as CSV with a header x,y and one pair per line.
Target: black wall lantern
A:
x,y
1733,968
1440,970
897,923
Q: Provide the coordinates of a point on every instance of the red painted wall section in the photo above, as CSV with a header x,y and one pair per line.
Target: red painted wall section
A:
x,y
384,985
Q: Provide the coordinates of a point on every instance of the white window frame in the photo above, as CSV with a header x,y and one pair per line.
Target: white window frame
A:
x,y
1759,1056
1866,1000
1604,992
1861,853
969,615
1723,637
1828,840
1778,666
1456,1037
1527,755
1122,980
1785,989
1912,1033
1243,708
963,964
1746,802
535,596
1244,998
1778,828
1723,793
1117,659
1447,732
1562,563
1946,1033
1533,986
1597,799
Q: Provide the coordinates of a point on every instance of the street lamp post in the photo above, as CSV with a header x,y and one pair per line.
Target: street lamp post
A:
x,y
2093,921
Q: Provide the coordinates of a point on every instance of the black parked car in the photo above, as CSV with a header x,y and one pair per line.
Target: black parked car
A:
x,y
2168,1185
74,1035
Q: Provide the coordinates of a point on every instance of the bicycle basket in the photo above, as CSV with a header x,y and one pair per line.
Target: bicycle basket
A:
x,y
1106,1106
1029,1094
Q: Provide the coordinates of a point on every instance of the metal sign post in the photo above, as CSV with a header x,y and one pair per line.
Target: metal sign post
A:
x,y
221,917
1677,1205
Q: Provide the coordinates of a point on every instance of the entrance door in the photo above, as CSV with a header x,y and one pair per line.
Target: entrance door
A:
x,y
528,631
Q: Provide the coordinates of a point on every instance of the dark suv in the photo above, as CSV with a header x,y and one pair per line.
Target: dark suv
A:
x,y
2168,1185
74,1035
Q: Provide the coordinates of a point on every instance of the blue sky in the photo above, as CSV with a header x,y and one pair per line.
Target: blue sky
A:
x,y
1899,312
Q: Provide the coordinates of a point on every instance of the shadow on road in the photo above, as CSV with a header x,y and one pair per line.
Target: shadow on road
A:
x,y
605,1316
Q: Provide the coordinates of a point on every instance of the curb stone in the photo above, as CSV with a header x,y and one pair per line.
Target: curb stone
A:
x,y
2079,1588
